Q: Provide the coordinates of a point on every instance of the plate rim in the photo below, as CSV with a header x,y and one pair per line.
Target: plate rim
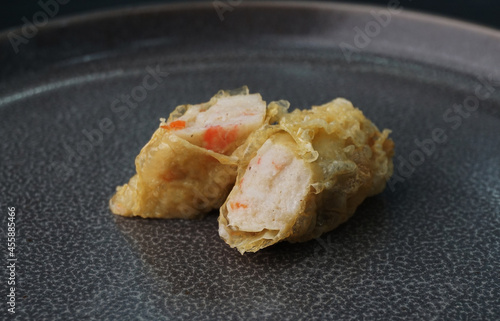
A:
x,y
105,13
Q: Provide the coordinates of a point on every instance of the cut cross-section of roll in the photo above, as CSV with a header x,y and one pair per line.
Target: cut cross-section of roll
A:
x,y
186,169
272,189
305,176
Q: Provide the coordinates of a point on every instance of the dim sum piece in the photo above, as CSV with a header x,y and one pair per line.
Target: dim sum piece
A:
x,y
305,176
186,169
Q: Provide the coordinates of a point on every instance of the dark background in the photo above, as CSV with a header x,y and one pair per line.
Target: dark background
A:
x,y
485,12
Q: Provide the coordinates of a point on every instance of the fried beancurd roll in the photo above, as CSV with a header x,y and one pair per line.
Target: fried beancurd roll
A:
x,y
305,176
186,169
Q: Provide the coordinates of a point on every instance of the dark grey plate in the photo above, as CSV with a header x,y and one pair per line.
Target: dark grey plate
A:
x,y
428,248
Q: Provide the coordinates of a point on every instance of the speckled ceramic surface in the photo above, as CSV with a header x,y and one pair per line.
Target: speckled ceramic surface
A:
x,y
82,96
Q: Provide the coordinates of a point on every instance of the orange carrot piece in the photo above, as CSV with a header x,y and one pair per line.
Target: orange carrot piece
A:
x,y
237,205
175,125
217,138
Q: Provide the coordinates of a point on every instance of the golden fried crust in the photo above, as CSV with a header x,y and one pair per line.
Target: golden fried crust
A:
x,y
186,171
350,160
175,179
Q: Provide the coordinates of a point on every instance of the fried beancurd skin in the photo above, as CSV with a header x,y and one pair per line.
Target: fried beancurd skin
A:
x,y
187,168
305,176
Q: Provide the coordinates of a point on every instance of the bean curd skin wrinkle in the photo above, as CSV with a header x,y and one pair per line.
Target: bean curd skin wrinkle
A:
x,y
305,176
187,168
